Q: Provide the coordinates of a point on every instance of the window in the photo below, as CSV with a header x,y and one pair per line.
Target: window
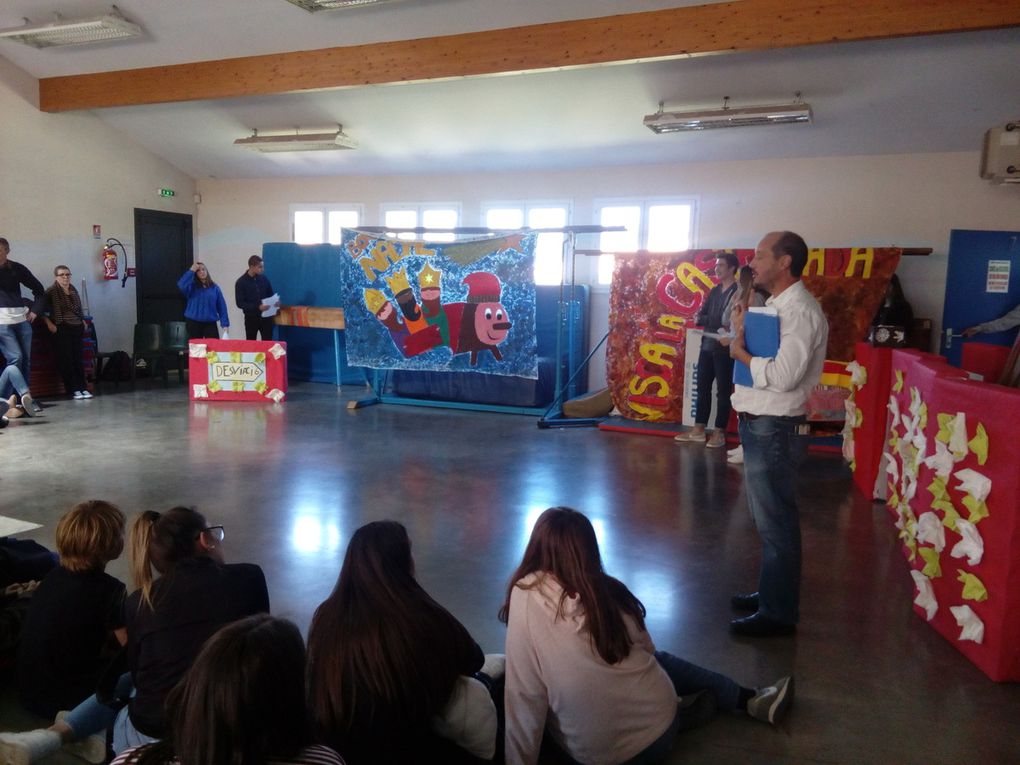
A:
x,y
315,224
549,247
424,216
653,225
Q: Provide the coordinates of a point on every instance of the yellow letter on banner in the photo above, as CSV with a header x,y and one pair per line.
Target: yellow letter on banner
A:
x,y
865,255
639,386
653,353
672,322
689,276
379,258
816,257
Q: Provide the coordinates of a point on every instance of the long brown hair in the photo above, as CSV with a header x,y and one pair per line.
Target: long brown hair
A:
x,y
242,702
159,541
563,545
379,646
208,277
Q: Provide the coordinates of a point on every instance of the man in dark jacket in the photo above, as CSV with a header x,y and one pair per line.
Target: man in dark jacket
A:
x,y
250,292
15,318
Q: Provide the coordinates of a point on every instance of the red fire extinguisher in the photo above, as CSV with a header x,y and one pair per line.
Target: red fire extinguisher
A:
x,y
109,256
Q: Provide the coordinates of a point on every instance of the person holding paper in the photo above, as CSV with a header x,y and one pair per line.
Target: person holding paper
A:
x,y
774,431
714,362
205,304
251,292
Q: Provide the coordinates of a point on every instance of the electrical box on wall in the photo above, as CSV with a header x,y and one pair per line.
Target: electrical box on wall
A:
x,y
1000,158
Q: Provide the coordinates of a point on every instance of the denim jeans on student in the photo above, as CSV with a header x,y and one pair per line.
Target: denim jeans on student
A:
x,y
12,381
687,679
16,345
773,452
93,716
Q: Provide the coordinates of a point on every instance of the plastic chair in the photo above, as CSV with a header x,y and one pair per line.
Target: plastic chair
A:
x,y
175,346
148,347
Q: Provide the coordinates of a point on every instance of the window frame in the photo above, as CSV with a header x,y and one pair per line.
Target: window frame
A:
x,y
644,203
325,208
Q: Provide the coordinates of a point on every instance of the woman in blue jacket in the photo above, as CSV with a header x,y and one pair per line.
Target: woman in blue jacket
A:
x,y
205,303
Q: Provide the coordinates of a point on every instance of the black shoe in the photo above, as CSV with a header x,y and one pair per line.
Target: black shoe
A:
x,y
757,625
745,602
697,709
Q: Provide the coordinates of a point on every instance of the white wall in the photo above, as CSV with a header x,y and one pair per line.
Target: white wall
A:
x,y
62,173
906,200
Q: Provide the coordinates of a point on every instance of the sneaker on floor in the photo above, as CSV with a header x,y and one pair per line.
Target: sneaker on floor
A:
x,y
28,405
23,748
716,440
91,748
86,394
770,704
691,435
78,396
735,456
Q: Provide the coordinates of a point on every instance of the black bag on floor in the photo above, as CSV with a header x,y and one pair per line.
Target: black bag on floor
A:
x,y
117,368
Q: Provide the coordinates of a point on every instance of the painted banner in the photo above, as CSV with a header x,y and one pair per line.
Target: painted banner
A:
x,y
654,298
464,306
237,370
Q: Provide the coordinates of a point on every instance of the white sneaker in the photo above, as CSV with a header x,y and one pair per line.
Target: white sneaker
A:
x,y
77,395
86,394
694,436
91,748
735,456
770,704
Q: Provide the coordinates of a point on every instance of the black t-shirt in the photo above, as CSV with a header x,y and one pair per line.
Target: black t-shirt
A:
x,y
188,605
67,639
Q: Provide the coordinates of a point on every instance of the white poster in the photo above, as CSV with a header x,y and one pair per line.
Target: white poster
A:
x,y
998,276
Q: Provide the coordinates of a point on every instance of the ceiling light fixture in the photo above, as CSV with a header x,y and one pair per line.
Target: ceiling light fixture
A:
x,y
748,116
296,141
95,29
334,5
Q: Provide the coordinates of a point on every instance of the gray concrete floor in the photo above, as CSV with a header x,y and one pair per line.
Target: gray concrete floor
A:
x,y
291,482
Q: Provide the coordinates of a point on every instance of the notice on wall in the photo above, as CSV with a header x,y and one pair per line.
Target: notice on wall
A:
x,y
998,276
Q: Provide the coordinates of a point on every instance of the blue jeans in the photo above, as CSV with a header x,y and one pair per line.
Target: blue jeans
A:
x,y
12,381
93,716
16,345
773,451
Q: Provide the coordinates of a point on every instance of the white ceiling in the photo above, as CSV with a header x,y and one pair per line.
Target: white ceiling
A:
x,y
925,94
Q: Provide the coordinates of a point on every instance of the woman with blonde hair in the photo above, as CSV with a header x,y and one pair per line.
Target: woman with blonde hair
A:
x,y
581,667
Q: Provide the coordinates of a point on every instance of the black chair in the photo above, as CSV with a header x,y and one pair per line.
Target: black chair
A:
x,y
148,348
175,346
99,358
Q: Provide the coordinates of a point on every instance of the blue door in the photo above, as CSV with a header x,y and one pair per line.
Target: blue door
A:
x,y
968,301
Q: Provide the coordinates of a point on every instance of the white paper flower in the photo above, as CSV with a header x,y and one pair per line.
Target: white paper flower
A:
x,y
276,395
958,436
200,391
941,461
973,483
925,594
930,531
973,627
972,546
277,350
197,350
858,375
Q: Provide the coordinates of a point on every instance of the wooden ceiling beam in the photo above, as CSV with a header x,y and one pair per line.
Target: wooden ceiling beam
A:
x,y
743,25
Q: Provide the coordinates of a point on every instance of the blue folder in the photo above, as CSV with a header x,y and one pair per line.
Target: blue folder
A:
x,y
761,338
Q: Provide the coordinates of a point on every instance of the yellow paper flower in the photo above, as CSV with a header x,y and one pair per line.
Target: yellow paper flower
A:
x,y
238,386
235,357
932,567
937,487
853,466
212,357
894,500
261,387
945,427
950,516
911,544
214,386
978,510
979,444
260,357
973,588
898,385
923,421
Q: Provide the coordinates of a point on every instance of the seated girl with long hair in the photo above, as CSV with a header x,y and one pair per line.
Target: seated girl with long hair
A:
x,y
384,657
581,666
241,703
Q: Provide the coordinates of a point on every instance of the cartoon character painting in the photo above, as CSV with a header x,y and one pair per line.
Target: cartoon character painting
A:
x,y
484,323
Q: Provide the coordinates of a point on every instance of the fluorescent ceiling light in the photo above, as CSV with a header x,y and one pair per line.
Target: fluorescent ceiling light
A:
x,y
676,122
334,5
333,141
96,29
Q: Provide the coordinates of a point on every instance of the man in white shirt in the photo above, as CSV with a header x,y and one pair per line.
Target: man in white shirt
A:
x,y
774,430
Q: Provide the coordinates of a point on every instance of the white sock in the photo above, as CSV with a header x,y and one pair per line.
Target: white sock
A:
x,y
28,746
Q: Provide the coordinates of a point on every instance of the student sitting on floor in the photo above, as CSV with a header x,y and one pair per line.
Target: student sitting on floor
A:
x,y
581,667
167,622
242,701
385,658
75,625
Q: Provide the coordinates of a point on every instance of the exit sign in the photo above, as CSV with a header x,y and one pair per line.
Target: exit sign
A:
x,y
166,192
